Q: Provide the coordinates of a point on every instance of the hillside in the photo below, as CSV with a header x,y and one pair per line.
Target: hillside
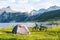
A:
x,y
12,17
24,17
49,16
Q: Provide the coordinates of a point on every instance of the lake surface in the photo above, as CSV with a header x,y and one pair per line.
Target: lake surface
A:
x,y
28,24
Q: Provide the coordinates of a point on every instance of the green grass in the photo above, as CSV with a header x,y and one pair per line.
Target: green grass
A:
x,y
53,33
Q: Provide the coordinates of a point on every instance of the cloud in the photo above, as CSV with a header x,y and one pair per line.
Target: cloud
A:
x,y
21,1
22,7
8,1
56,2
2,5
28,5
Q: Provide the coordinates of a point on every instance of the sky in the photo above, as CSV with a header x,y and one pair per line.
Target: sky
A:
x,y
28,5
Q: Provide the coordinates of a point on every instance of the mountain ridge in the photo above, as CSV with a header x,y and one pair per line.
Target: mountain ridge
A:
x,y
38,15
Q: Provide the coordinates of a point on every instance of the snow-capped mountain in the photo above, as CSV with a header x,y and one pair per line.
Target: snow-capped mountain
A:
x,y
8,9
34,12
42,10
53,8
9,15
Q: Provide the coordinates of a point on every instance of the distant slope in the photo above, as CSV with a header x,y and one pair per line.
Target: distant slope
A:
x,y
12,17
49,16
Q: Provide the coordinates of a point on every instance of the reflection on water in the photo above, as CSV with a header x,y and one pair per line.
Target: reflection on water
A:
x,y
28,24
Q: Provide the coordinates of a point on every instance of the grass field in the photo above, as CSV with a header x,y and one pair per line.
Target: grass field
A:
x,y
53,33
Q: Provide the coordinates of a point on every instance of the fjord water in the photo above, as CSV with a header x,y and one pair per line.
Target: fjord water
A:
x,y
28,24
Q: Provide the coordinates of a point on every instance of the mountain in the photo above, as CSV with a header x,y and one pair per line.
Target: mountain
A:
x,y
34,12
23,17
42,10
9,15
7,9
13,17
53,8
30,18
49,16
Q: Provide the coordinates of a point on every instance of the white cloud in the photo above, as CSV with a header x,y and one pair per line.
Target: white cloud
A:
x,y
8,1
22,1
22,7
2,5
28,5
